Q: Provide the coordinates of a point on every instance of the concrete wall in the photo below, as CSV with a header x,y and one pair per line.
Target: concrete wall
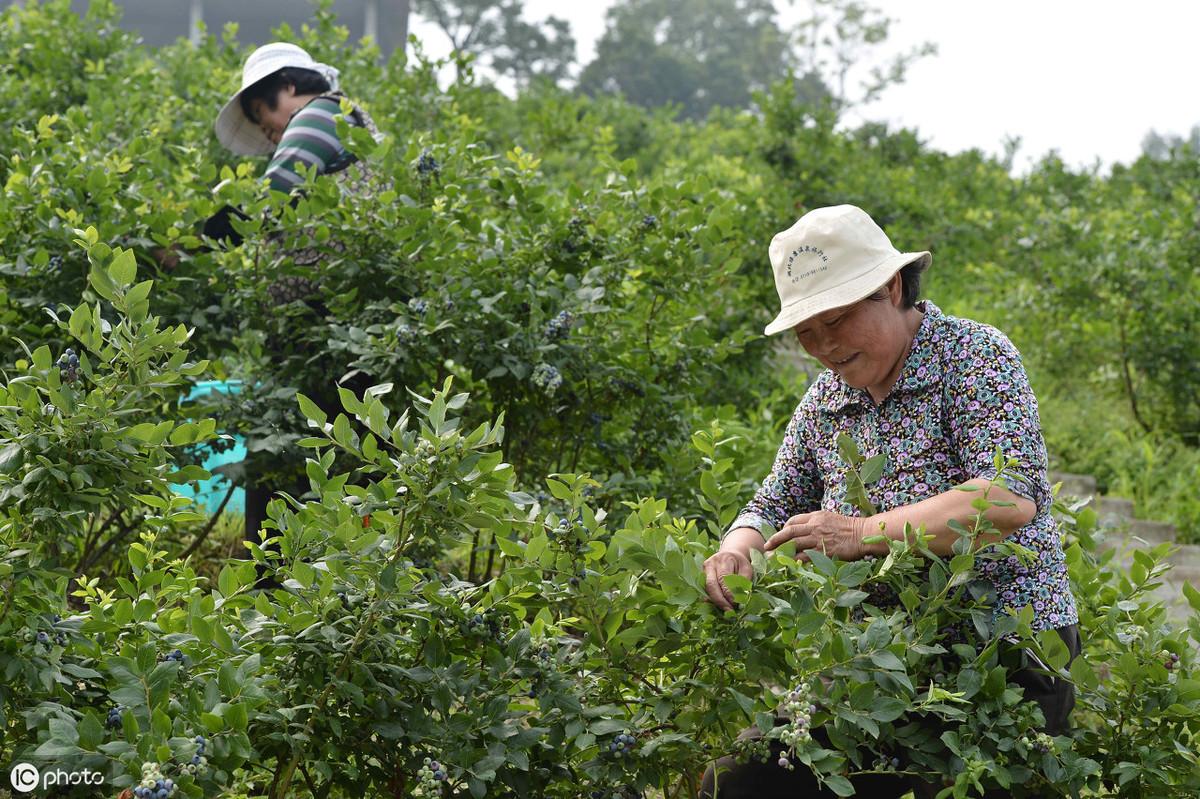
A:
x,y
161,22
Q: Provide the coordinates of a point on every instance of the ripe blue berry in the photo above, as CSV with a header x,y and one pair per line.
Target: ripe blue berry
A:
x,y
42,637
427,165
547,378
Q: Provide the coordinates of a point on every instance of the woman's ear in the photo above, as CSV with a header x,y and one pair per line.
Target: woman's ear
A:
x,y
896,290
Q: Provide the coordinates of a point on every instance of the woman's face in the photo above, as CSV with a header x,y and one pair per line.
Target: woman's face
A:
x,y
864,343
273,121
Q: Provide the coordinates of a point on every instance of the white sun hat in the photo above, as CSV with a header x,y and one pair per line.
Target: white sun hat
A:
x,y
234,130
831,257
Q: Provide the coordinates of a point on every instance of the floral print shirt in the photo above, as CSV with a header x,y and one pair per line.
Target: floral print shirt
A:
x,y
961,393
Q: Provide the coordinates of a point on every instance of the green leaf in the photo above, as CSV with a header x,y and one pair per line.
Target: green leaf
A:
x,y
311,411
885,659
848,449
872,469
1193,596
91,732
235,716
839,785
123,268
851,597
227,581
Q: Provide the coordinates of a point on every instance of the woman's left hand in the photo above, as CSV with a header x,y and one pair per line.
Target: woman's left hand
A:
x,y
836,535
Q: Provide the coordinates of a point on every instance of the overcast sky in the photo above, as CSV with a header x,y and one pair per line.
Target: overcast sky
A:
x,y
1087,79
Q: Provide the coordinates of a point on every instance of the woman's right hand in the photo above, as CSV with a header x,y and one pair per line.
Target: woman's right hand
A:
x,y
725,561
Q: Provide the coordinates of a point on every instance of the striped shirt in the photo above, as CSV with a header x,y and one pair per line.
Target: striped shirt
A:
x,y
310,140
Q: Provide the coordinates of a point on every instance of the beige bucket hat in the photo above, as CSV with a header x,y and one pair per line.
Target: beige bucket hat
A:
x,y
831,257
234,130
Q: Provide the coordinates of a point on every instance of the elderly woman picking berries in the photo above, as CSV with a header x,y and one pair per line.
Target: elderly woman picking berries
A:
x,y
937,396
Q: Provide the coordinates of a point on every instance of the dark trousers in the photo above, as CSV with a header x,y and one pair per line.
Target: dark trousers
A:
x,y
731,779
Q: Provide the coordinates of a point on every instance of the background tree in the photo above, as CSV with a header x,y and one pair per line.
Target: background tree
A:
x,y
1162,146
694,53
842,36
498,33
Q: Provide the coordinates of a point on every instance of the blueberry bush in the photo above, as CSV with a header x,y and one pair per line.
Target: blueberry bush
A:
x,y
514,394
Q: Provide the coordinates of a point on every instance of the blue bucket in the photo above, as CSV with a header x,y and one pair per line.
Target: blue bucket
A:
x,y
211,492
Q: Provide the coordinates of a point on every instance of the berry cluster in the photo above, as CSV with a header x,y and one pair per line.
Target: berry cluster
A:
x,y
405,334
175,655
153,784
649,221
622,745
199,761
1170,660
56,262
428,166
543,662
1041,742
576,238
418,306
559,327
799,706
546,377
481,626
623,386
114,717
68,366
883,763
431,774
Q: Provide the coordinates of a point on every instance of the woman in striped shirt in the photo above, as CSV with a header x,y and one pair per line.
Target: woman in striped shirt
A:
x,y
287,108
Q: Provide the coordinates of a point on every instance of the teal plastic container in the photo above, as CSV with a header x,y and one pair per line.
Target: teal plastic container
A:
x,y
209,493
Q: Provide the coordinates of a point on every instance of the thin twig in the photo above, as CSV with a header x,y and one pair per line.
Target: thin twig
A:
x,y
208,528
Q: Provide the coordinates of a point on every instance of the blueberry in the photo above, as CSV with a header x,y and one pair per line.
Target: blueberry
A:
x,y
439,775
42,637
435,766
161,793
783,762
427,165
649,221
158,784
169,785
196,760
57,618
